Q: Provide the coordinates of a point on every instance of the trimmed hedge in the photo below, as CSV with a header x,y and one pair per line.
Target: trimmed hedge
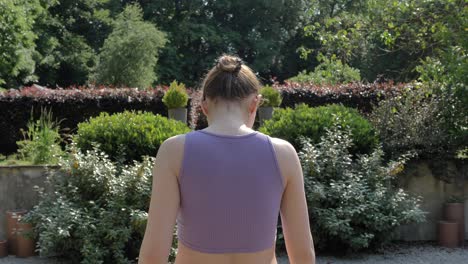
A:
x,y
356,95
77,104
72,106
127,136
313,122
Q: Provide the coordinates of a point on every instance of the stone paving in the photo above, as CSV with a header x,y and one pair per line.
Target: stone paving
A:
x,y
399,254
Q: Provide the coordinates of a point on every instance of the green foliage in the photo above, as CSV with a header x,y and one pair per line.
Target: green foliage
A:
x,y
127,136
271,96
456,199
462,153
176,96
448,75
130,53
330,71
388,38
291,124
12,160
71,32
451,70
41,143
201,30
97,212
17,41
420,121
353,203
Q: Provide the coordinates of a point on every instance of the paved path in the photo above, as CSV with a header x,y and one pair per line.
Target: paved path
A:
x,y
401,254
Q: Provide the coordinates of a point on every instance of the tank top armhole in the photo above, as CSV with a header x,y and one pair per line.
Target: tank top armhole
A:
x,y
184,158
275,158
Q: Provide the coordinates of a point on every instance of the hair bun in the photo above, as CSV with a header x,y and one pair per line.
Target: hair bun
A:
x,y
228,63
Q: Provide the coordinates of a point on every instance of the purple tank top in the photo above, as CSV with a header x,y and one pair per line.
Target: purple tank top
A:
x,y
230,193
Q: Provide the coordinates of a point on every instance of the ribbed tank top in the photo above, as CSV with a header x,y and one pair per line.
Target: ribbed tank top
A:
x,y
230,193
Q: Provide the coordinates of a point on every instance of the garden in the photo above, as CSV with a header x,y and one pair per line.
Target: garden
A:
x,y
372,94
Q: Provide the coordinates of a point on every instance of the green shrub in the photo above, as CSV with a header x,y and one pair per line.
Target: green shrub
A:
x,y
462,154
97,212
271,96
446,77
421,122
176,96
128,135
290,124
330,71
41,143
354,204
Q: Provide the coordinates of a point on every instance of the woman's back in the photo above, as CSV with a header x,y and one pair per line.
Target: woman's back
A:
x,y
230,193
226,185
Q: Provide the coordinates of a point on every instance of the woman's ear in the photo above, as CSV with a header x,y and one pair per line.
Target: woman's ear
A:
x,y
204,107
254,104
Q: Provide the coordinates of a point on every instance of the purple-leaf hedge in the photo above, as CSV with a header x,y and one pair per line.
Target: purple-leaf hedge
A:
x,y
76,104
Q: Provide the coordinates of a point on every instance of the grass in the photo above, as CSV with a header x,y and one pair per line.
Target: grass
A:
x,y
12,160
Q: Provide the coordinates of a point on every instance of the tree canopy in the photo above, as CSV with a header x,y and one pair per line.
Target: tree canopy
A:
x,y
60,43
130,53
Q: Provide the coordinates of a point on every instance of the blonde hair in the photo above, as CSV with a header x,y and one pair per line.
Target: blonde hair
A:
x,y
230,79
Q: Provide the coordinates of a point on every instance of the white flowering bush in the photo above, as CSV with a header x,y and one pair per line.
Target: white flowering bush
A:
x,y
97,210
353,201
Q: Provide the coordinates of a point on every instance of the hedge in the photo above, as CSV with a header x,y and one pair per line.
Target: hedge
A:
x,y
357,95
77,104
70,106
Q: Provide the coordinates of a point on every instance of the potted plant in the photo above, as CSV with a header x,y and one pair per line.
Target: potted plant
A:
x,y
3,248
271,98
24,240
454,211
13,218
176,99
447,235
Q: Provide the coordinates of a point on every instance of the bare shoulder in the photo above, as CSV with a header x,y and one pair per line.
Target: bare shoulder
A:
x,y
173,144
287,158
171,153
283,148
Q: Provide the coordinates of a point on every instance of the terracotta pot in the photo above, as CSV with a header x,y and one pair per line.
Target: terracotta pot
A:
x,y
455,212
448,234
24,240
265,113
179,114
13,217
3,248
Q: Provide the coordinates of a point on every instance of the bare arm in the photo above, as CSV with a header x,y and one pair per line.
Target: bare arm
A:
x,y
164,203
294,214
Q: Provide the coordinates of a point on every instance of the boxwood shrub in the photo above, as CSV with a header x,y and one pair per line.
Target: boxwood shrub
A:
x,y
129,135
312,122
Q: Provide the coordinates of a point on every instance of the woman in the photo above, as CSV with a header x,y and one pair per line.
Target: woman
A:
x,y
226,185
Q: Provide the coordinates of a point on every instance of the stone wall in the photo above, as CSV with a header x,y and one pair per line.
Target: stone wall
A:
x,y
17,189
435,181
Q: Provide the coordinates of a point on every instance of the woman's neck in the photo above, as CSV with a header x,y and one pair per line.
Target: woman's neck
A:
x,y
228,120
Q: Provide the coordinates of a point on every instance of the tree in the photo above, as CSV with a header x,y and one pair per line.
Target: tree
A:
x,y
71,32
17,41
330,71
388,37
130,53
199,31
